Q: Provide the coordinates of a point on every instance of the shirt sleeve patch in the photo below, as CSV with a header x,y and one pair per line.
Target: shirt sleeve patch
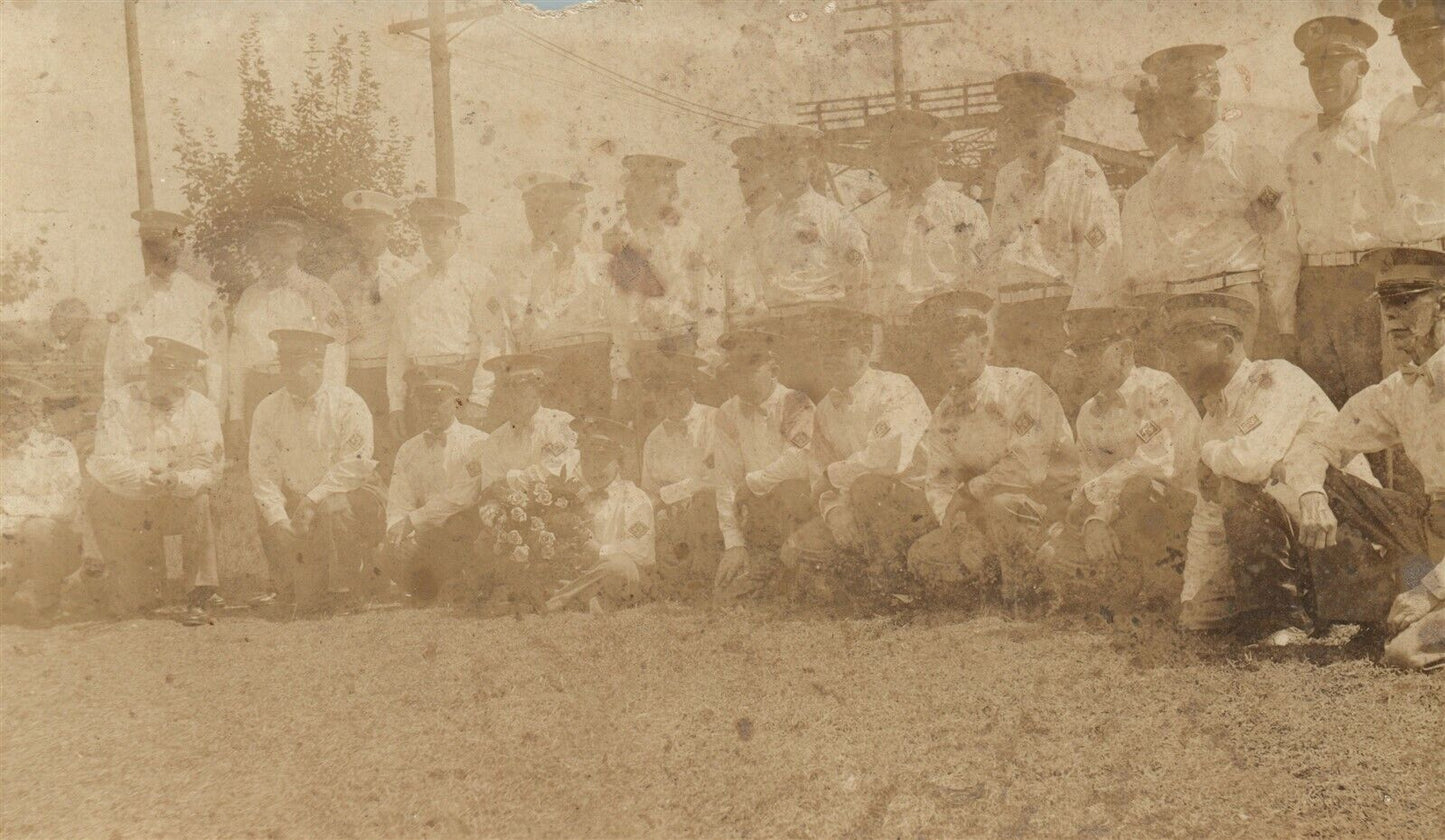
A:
x,y
1269,196
1148,431
474,468
1249,424
882,429
1024,424
800,440
553,449
638,530
1095,236
355,441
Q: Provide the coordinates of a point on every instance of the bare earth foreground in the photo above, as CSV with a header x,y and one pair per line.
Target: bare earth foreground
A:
x,y
666,722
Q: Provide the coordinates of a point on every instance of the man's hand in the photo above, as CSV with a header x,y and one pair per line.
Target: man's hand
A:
x,y
284,533
1410,606
396,422
731,566
843,527
1019,506
304,516
1318,527
1100,544
400,531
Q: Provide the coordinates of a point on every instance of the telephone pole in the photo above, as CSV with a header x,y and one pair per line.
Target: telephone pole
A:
x,y
138,110
895,26
436,23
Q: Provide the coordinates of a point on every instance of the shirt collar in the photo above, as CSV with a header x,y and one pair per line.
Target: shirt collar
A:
x,y
1237,383
1211,138
1431,96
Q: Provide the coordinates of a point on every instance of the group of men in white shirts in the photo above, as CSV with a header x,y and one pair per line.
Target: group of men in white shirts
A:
x,y
917,396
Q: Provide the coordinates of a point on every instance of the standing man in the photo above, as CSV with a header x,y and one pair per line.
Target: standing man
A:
x,y
737,267
998,458
368,287
1406,410
1254,412
158,454
1143,257
428,542
312,476
763,434
39,502
1218,199
1340,204
166,302
870,506
1138,435
447,317
1412,128
282,297
1052,212
925,236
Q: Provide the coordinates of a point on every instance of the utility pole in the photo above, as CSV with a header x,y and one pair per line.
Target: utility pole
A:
x,y
895,26
436,23
138,110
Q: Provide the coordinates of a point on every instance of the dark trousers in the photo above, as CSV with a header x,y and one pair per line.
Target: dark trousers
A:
x,y
131,535
436,564
36,558
905,350
1030,334
581,383
890,516
766,523
333,555
689,543
370,384
983,549
1279,580
1338,329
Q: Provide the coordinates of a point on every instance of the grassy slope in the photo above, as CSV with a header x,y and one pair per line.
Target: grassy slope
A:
x,y
666,721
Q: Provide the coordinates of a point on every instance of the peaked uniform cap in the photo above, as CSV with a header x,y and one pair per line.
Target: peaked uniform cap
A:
x,y
520,365
660,368
285,215
161,222
549,193
1033,91
371,201
906,126
951,306
1414,15
1323,37
434,209
437,388
652,167
601,432
170,350
1402,273
1185,59
300,342
1203,309
1088,326
747,147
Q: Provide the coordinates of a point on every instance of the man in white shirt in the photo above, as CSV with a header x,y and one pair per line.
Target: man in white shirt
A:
x,y
313,478
924,235
870,506
282,297
448,316
735,261
368,286
533,437
679,473
1405,410
1138,435
168,302
1255,411
1339,202
428,546
1142,257
39,502
158,455
1220,200
1412,127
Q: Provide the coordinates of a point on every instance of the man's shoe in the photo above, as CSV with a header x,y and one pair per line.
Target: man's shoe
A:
x,y
196,617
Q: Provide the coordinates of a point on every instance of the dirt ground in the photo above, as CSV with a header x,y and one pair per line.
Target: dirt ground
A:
x,y
669,721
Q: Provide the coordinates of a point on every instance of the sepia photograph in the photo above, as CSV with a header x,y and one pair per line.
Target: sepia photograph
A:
x,y
722,419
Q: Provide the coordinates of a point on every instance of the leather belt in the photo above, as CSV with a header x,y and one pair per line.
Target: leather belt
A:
x,y
1024,294
366,364
1214,282
1335,259
443,360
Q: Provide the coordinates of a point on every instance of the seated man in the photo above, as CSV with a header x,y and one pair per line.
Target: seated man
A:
x,y
998,461
428,545
1138,434
1240,568
158,455
763,434
1406,410
678,472
532,436
869,508
313,478
39,501
622,551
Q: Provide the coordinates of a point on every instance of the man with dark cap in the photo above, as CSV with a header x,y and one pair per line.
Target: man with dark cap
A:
x,y
1255,410
1138,437
428,542
998,461
312,476
39,501
533,436
810,249
572,313
283,297
368,286
924,235
169,302
657,258
1412,127
763,434
870,507
622,550
450,315
1221,201
679,473
1405,410
1339,201
158,455
1143,246
736,260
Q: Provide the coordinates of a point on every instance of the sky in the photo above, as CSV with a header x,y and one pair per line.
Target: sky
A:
x,y
67,177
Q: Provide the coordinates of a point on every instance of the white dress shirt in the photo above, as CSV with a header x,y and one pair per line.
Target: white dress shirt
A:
x,y
872,428
40,478
676,253
546,440
1143,257
430,466
921,246
370,302
295,301
810,248
1149,428
622,523
179,307
137,439
677,457
1412,161
318,447
762,446
1335,188
1067,213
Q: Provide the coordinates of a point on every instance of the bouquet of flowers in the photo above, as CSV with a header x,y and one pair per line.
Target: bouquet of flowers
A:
x,y
533,533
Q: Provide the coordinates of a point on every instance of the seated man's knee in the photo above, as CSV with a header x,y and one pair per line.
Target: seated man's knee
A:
x,y
1419,646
